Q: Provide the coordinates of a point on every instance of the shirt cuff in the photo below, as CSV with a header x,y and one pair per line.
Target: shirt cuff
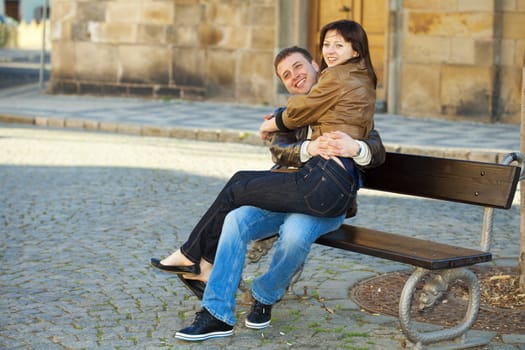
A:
x,y
365,156
304,152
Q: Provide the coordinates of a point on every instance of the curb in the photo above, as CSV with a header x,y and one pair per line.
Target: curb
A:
x,y
235,136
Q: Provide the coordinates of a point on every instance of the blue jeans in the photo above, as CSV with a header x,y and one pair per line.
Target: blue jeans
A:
x,y
320,188
297,233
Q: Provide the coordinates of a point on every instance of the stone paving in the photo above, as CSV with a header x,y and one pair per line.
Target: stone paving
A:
x,y
81,213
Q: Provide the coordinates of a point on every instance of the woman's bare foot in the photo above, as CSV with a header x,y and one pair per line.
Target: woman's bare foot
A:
x,y
205,272
176,259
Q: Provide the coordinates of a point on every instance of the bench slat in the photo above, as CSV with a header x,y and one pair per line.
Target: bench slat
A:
x,y
455,180
418,252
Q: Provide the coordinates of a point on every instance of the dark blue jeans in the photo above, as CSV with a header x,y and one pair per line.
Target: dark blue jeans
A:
x,y
320,188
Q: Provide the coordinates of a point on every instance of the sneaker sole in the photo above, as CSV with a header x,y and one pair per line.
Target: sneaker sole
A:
x,y
199,337
256,325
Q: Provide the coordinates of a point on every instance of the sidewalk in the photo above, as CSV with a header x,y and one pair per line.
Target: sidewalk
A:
x,y
238,123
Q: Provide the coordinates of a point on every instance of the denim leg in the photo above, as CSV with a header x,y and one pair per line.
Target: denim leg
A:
x,y
203,239
296,237
321,188
241,226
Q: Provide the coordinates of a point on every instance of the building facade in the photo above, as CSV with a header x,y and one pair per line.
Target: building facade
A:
x,y
454,59
23,10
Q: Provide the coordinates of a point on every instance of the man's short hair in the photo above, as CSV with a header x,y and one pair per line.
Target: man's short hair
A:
x,y
287,52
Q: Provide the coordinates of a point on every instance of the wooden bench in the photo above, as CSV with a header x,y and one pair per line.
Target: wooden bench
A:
x,y
477,183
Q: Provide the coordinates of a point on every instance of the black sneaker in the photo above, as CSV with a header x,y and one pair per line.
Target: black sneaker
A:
x,y
259,317
205,326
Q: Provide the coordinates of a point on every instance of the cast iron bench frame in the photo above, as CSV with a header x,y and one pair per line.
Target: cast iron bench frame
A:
x,y
478,183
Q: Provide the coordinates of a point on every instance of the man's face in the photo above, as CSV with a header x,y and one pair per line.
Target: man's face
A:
x,y
297,73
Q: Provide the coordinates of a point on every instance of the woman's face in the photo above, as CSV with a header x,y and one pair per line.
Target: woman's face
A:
x,y
336,50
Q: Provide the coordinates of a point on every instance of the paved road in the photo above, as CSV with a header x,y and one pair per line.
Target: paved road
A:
x,y
81,214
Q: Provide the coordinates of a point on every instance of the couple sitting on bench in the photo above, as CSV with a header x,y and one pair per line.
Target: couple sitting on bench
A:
x,y
338,106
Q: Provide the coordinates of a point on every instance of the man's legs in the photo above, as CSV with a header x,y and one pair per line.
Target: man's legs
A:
x,y
241,226
296,237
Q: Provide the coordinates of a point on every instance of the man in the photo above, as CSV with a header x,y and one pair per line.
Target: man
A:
x,y
297,232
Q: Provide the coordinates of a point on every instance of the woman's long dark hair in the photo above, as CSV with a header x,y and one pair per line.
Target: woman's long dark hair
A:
x,y
353,33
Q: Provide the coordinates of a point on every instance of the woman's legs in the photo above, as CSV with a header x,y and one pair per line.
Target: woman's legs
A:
x,y
320,188
203,239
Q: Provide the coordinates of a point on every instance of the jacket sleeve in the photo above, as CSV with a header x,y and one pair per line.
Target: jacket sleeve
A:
x,y
377,149
302,110
285,147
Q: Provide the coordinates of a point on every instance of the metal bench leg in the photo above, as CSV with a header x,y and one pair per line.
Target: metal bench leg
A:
x,y
295,278
257,250
260,248
432,291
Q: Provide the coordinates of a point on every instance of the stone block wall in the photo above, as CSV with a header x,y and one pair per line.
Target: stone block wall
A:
x,y
460,59
218,49
454,59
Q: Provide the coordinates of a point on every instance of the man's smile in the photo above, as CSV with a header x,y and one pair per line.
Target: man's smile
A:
x,y
300,82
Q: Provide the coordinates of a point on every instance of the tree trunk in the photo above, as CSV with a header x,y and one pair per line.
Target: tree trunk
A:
x,y
521,260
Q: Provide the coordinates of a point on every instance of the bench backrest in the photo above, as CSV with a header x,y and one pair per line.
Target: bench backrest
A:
x,y
486,184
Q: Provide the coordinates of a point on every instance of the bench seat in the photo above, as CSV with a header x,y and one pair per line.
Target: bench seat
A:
x,y
414,251
437,265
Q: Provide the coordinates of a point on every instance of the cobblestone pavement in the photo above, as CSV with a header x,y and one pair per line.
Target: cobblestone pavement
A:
x,y
81,214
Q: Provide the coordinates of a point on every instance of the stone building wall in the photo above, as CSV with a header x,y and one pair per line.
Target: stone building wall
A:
x,y
454,59
461,59
219,49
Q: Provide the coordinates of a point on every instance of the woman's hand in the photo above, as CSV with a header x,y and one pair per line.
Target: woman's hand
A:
x,y
336,144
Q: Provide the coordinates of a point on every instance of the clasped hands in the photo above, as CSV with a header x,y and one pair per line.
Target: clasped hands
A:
x,y
333,144
328,145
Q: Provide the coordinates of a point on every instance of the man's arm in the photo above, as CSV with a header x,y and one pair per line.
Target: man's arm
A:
x,y
377,150
286,148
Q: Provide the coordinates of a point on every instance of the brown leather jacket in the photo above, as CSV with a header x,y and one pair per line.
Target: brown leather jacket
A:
x,y
343,99
285,148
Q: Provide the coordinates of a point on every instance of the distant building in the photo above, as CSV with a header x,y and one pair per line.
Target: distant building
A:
x,y
457,59
23,10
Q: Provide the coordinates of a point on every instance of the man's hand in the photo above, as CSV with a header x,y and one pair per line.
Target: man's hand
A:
x,y
267,127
